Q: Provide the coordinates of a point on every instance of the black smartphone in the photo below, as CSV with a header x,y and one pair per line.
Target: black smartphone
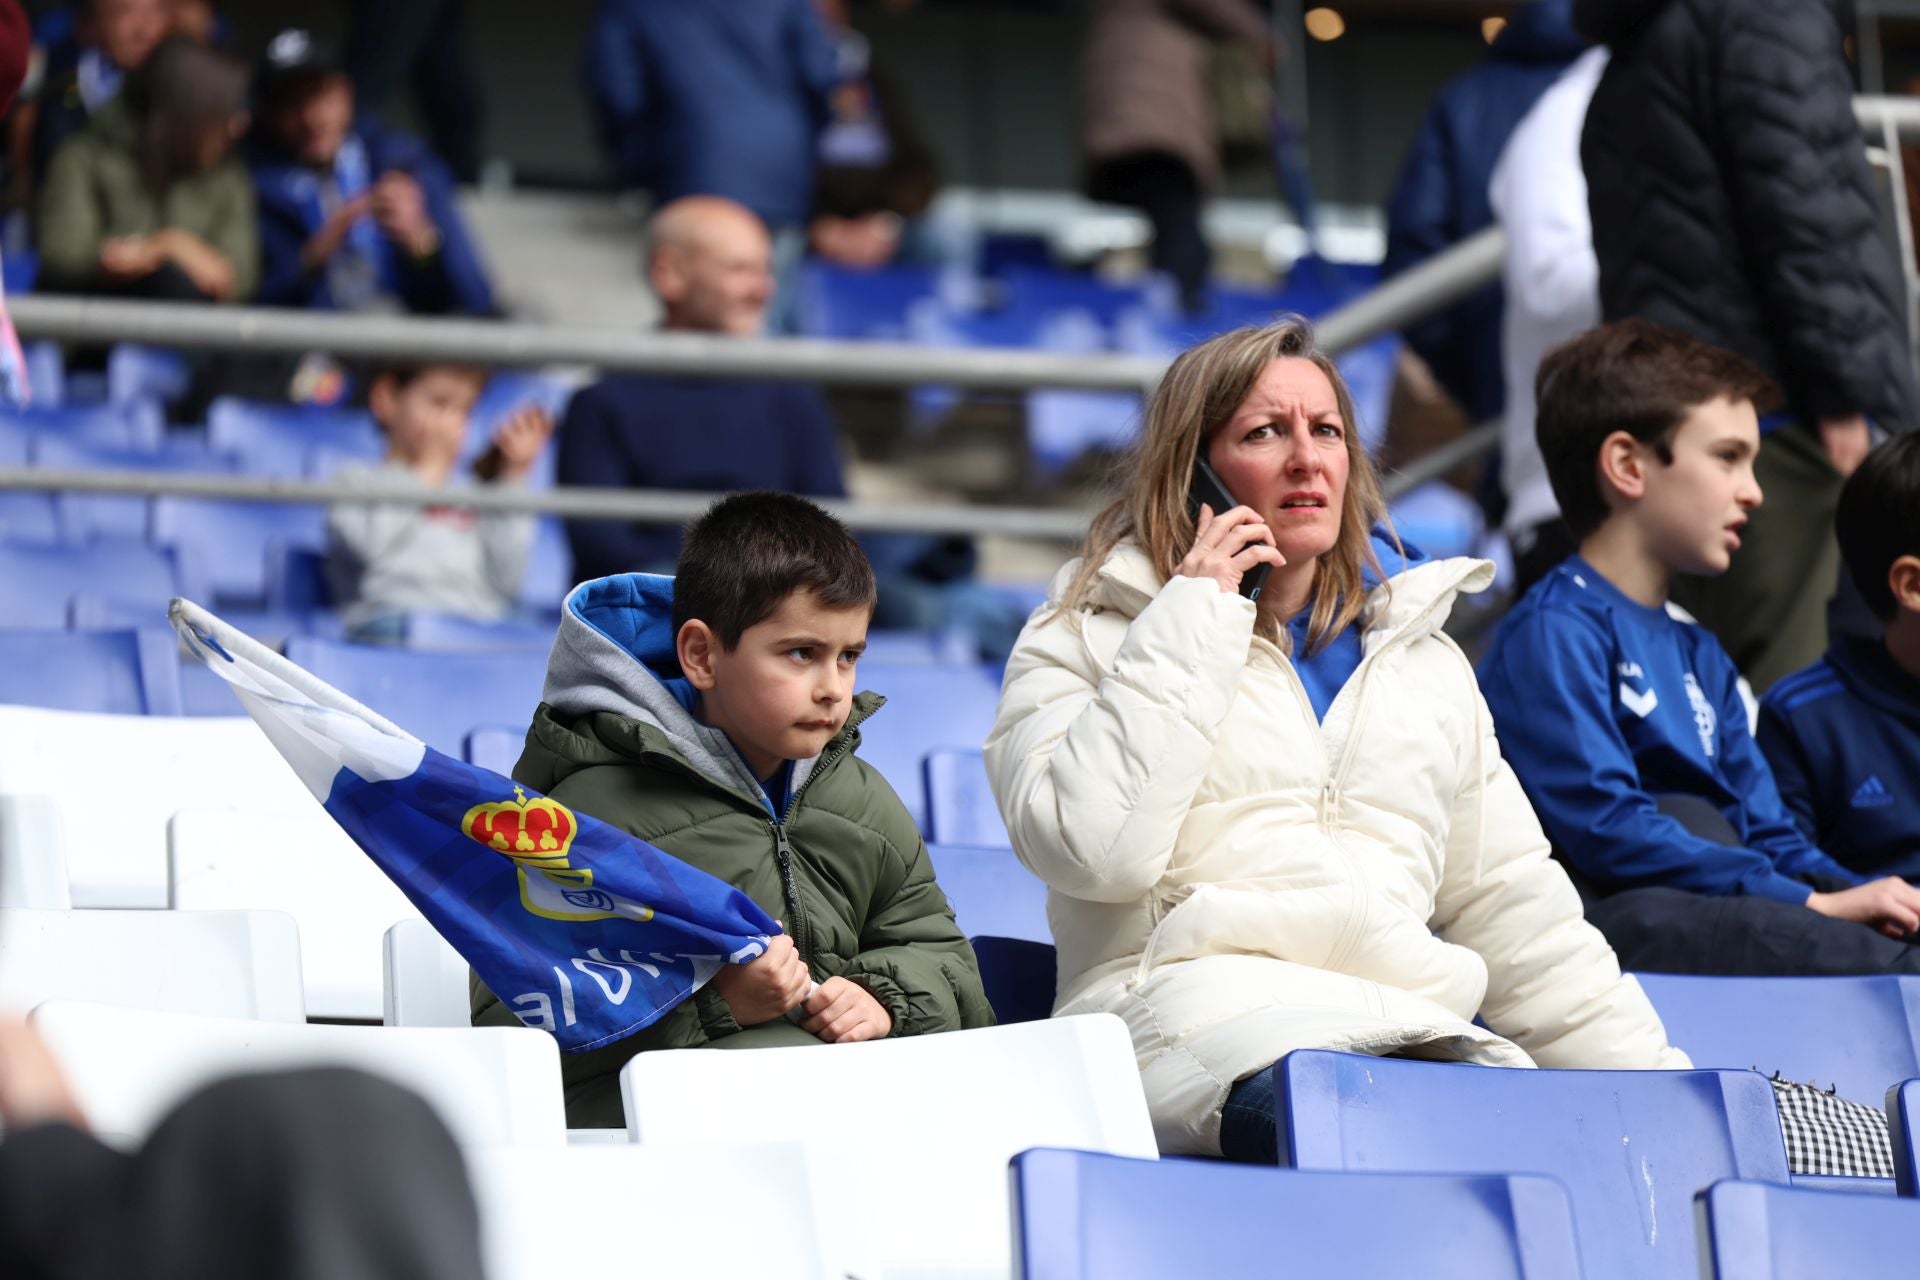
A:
x,y
1208,489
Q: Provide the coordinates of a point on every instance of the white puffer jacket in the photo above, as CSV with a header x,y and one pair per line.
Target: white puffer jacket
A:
x,y
1237,881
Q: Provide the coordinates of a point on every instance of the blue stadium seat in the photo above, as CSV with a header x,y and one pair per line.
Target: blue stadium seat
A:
x,y
138,372
1083,1215
1039,290
46,368
297,579
130,426
1632,1146
449,633
26,516
1019,977
1859,1036
231,544
273,439
130,673
496,749
927,707
38,582
919,648
1062,425
1439,519
549,573
1903,1132
438,697
991,893
86,515
960,804
842,302
271,627
1757,1231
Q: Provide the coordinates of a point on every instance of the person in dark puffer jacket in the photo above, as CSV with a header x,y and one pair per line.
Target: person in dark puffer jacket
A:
x,y
1731,200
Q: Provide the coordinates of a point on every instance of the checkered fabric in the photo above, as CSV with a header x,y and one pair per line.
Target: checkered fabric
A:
x,y
1828,1134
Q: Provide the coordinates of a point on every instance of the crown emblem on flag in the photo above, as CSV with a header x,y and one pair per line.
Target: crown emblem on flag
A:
x,y
537,831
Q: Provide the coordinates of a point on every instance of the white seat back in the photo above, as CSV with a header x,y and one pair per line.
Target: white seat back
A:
x,y
425,978
295,860
33,854
492,1085
232,964
721,1210
117,779
913,1121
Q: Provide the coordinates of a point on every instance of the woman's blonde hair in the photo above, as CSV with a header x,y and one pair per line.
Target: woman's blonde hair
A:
x,y
1196,397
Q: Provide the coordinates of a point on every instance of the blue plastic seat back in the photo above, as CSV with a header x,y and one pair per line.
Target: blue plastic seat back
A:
x,y
16,441
26,516
438,697
134,673
549,574
1631,1146
496,749
1758,1231
138,425
1019,976
450,633
86,515
960,805
919,648
1040,291
927,707
1062,425
231,544
273,439
46,363
1082,1215
990,892
38,581
139,372
1859,1036
1903,1132
844,302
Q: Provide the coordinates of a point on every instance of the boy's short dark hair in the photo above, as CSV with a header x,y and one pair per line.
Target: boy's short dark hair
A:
x,y
751,551
1634,376
404,373
1879,519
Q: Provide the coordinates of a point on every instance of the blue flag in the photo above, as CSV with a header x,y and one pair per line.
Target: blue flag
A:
x,y
581,929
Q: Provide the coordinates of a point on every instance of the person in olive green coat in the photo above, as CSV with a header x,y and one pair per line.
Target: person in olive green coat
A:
x,y
148,200
713,715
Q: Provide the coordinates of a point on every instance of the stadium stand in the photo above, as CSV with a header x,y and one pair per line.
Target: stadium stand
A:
x,y
927,707
438,697
991,892
38,583
1758,1231
91,515
118,672
1082,1216
960,804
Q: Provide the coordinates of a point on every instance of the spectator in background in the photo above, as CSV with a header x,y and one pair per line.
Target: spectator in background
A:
x,y
148,201
1146,125
89,50
351,216
423,44
1539,194
1731,200
1441,195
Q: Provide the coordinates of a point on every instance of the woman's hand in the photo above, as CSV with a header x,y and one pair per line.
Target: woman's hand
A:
x,y
1227,546
207,267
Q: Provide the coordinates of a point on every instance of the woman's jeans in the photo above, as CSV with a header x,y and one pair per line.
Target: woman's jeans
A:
x,y
1246,1122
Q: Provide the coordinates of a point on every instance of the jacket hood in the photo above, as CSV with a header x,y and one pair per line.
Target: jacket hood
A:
x,y
1542,31
614,652
1866,668
1614,22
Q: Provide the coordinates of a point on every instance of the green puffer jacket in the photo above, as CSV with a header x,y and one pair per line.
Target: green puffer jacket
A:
x,y
844,868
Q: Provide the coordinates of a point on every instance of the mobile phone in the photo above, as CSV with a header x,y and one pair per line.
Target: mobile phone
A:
x,y
1207,488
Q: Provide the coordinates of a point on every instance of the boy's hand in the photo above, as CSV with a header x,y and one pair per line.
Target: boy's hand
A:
x,y
326,242
1890,905
400,208
765,988
519,441
841,1012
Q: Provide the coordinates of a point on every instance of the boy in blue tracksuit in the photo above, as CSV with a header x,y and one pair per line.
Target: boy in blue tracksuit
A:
x,y
1843,736
1625,724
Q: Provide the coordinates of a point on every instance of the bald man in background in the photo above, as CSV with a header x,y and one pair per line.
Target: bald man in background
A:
x,y
710,261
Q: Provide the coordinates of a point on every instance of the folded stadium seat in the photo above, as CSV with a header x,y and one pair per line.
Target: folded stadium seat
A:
x,y
295,860
128,1067
423,979
725,1209
15,443
1903,1130
927,707
1020,977
549,574
116,853
273,439
1631,1146
941,1115
1757,1231
227,964
495,748
46,369
1858,1036
960,804
1082,1216
38,581
29,517
297,579
118,515
846,302
230,545
130,672
137,425
451,633
33,864
437,697
991,893
139,372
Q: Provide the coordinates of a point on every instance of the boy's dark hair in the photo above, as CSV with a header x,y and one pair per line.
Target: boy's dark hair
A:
x,y
1879,519
404,373
751,551
1632,376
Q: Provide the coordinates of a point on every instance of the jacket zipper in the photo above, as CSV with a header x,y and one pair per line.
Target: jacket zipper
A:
x,y
797,923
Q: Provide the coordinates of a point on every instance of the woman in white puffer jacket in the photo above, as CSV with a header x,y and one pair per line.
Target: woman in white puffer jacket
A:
x,y
1285,826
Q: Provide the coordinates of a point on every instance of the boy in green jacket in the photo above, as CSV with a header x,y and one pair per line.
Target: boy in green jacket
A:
x,y
713,714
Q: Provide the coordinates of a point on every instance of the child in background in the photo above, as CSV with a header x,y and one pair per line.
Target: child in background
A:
x,y
1843,735
387,560
1624,723
714,714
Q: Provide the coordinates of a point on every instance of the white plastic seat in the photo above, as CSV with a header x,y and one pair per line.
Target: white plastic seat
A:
x,y
721,1210
492,1085
33,855
295,860
115,780
234,964
910,1122
425,979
